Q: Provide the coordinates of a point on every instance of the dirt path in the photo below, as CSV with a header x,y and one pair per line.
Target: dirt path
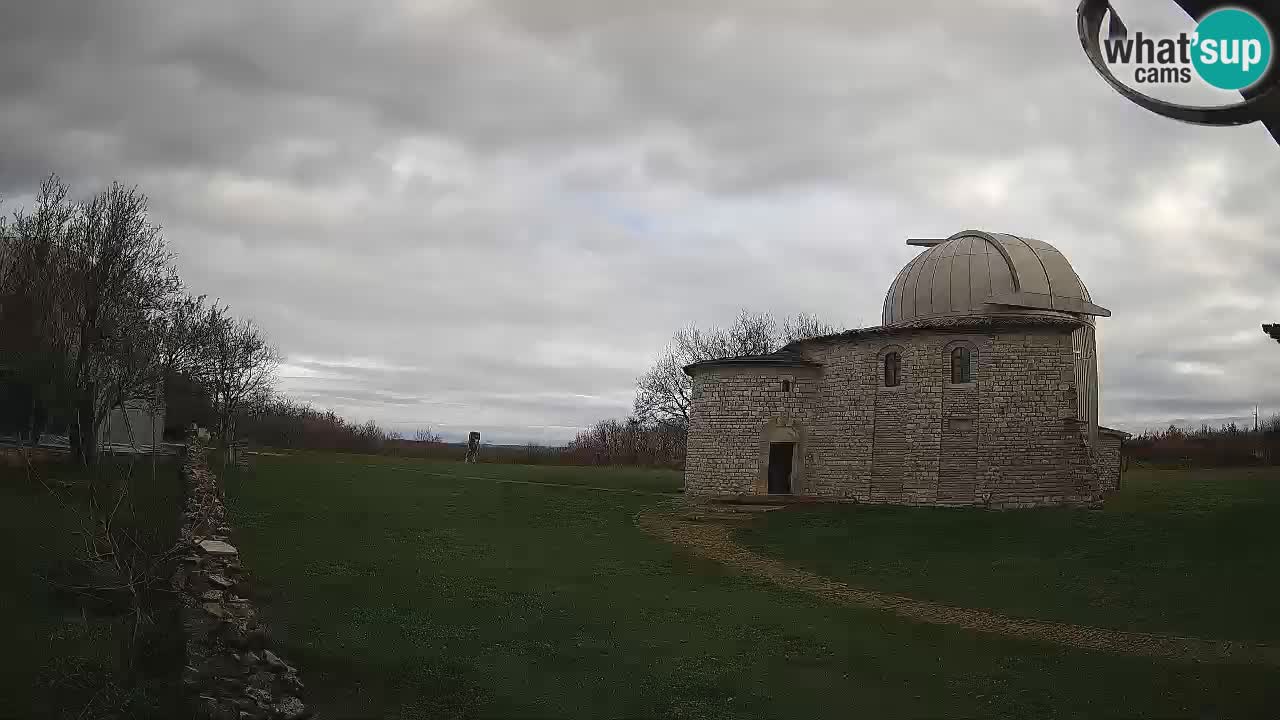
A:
x,y
715,542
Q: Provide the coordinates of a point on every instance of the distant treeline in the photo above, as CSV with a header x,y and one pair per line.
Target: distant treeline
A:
x,y
1226,445
608,442
629,442
653,436
286,424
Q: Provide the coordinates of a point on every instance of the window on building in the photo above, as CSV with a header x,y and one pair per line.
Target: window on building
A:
x,y
961,365
892,369
786,386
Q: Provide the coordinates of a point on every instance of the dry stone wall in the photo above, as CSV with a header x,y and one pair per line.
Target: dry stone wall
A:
x,y
22,456
1009,438
231,671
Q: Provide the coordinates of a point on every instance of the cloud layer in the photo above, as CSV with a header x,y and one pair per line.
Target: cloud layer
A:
x,y
491,215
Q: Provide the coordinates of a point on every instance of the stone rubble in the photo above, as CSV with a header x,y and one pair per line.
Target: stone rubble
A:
x,y
217,547
230,672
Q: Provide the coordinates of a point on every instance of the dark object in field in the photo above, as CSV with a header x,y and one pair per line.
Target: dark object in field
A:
x,y
473,447
1273,331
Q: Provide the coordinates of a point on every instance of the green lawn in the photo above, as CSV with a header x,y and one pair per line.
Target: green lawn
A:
x,y
406,590
70,655
637,479
1178,551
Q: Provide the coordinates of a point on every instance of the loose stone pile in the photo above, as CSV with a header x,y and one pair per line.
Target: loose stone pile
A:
x,y
230,673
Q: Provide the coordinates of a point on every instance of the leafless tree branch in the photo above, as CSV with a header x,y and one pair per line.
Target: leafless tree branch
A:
x,y
664,392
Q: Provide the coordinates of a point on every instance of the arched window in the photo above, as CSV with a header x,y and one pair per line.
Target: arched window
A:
x,y
892,369
961,365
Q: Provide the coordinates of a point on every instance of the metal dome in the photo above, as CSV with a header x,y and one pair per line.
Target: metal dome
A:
x,y
981,273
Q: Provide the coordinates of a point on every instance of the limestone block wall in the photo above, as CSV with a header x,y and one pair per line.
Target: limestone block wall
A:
x,y
960,450
231,671
840,435
736,408
1107,458
1035,452
1010,438
886,444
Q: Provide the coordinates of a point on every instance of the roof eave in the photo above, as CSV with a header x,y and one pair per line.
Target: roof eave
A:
x,y
752,361
1038,301
1112,431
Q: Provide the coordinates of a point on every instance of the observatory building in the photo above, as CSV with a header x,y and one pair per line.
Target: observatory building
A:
x,y
980,387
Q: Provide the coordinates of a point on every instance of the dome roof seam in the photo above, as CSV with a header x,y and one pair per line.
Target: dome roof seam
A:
x,y
1048,280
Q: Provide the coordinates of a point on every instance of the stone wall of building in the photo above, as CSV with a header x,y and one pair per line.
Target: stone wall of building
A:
x,y
1035,450
1108,458
1009,438
916,443
231,673
740,408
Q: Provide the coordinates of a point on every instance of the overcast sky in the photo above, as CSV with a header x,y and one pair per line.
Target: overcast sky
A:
x,y
491,216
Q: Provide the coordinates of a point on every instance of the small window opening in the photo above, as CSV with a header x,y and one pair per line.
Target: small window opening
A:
x,y
786,386
961,365
892,370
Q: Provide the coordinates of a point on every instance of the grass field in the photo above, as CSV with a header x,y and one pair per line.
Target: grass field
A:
x,y
1178,551
407,589
70,655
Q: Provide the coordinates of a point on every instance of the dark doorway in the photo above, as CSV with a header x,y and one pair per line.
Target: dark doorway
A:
x,y
780,467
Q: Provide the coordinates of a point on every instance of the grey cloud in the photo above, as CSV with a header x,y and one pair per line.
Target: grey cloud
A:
x,y
503,209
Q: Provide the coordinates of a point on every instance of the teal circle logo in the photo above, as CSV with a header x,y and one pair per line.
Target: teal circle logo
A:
x,y
1232,49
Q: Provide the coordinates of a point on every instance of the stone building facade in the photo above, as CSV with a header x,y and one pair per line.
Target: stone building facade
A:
x,y
980,388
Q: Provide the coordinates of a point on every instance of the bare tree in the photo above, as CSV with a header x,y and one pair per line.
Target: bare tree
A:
x,y
371,434
181,334
664,393
629,442
35,325
427,435
89,281
239,367
123,281
185,331
84,287
804,326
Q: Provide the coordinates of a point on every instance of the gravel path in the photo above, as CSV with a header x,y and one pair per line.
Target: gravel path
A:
x,y
715,542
